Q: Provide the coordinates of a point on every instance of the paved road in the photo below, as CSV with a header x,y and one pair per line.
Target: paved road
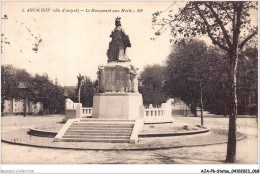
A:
x,y
213,154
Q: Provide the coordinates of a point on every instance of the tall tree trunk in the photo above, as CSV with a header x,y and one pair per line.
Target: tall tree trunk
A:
x,y
201,105
79,94
193,108
231,146
24,107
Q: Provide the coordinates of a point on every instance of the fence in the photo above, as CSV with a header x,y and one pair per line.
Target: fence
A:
x,y
86,112
157,115
150,115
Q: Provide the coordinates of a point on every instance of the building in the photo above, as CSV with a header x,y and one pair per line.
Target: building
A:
x,y
17,106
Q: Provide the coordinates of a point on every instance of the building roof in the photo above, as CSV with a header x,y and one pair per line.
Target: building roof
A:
x,y
69,90
22,85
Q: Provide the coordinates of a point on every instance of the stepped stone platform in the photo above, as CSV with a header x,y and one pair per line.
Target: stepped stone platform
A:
x,y
99,130
215,136
147,130
16,131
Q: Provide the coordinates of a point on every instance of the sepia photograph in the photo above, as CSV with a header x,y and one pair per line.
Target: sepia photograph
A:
x,y
121,82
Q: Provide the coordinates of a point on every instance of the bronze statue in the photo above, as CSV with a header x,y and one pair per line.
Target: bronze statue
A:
x,y
117,47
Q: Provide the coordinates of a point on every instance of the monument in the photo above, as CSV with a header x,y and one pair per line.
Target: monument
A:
x,y
117,94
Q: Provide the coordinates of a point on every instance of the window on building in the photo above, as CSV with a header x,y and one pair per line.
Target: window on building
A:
x,y
35,107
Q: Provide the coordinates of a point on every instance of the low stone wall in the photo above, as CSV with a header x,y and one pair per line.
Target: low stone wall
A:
x,y
150,115
76,112
86,112
157,115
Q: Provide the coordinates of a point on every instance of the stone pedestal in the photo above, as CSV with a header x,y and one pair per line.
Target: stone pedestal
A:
x,y
117,105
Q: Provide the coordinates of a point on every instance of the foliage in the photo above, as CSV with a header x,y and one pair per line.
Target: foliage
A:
x,y
214,19
87,92
247,81
8,82
38,88
151,85
228,25
51,95
191,64
11,77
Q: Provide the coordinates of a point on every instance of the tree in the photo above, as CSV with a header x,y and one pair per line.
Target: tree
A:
x,y
22,75
8,82
151,85
193,66
14,84
51,95
247,81
228,25
87,92
19,84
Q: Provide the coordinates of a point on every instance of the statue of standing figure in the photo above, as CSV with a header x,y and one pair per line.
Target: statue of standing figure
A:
x,y
101,79
117,47
133,77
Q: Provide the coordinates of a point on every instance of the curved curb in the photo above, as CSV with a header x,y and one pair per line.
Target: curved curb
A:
x,y
50,134
121,149
41,133
140,149
173,134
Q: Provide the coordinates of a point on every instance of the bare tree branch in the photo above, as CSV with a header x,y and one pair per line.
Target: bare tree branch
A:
x,y
208,30
228,14
236,22
242,44
220,23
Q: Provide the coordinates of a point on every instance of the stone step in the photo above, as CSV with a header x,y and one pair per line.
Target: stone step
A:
x,y
106,121
102,126
96,130
96,137
95,140
99,133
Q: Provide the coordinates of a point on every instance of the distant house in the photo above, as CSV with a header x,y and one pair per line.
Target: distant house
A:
x,y
17,106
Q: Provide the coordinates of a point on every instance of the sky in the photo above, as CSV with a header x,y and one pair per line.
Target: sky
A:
x,y
70,43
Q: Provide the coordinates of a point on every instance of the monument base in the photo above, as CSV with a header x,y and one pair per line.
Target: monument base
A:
x,y
116,105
